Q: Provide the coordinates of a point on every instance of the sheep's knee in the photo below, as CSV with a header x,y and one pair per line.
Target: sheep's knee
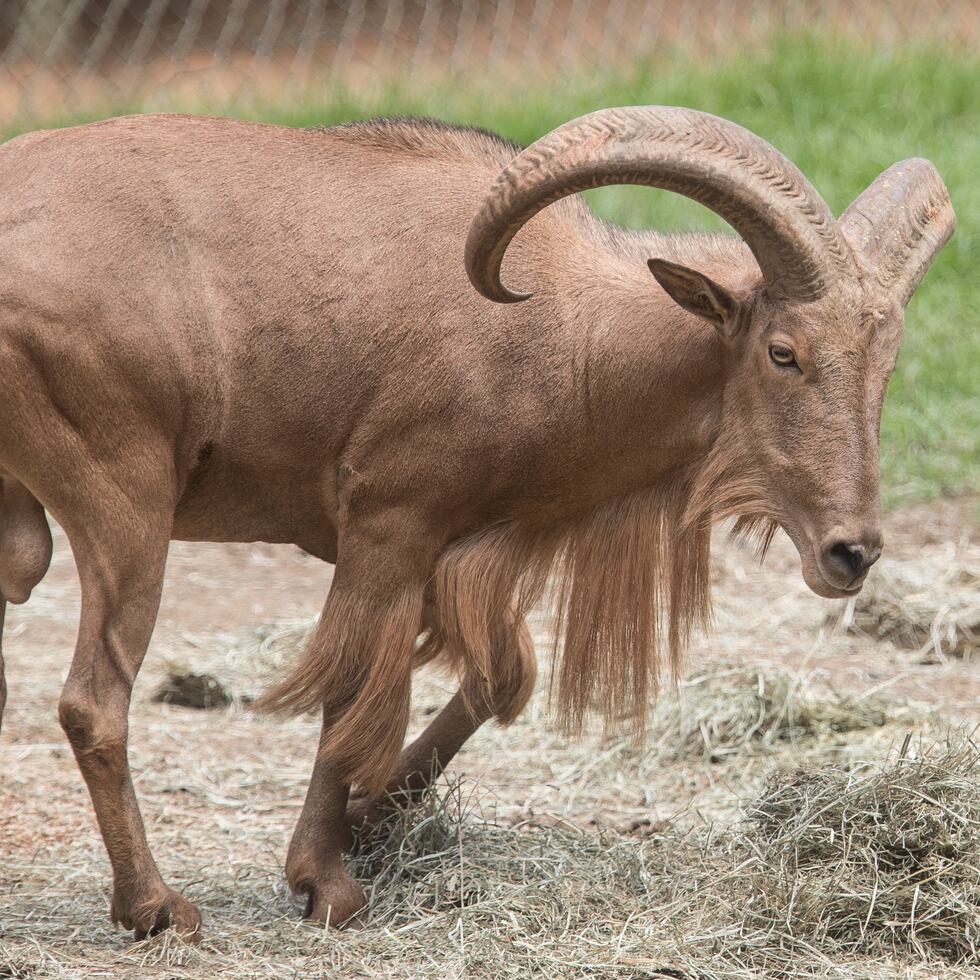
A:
x,y
93,731
505,691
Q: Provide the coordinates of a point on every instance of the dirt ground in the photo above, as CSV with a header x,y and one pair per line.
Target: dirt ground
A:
x,y
221,789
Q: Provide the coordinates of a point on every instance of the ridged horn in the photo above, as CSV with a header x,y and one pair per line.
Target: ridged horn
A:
x,y
760,193
899,224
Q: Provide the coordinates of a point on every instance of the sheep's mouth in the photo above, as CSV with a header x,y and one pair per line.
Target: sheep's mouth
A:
x,y
813,574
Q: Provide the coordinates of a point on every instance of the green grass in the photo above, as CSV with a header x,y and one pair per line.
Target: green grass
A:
x,y
842,112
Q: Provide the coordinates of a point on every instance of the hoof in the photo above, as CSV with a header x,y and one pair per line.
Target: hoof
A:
x,y
165,909
333,899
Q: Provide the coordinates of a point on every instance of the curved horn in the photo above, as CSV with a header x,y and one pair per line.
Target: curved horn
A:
x,y
899,224
784,221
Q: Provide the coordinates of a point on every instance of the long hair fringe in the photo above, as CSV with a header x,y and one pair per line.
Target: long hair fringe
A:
x,y
627,585
357,667
628,582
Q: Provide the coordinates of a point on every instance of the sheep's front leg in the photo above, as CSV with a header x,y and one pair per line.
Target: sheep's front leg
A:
x,y
314,865
427,757
357,667
422,761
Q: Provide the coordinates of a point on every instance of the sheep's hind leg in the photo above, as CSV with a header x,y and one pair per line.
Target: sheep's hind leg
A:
x,y
120,553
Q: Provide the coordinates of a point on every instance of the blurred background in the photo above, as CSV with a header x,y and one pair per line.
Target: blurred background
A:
x,y
78,55
843,88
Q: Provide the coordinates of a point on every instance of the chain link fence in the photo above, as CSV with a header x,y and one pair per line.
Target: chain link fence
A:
x,y
57,56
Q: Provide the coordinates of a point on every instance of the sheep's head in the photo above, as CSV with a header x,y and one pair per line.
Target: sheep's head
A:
x,y
811,339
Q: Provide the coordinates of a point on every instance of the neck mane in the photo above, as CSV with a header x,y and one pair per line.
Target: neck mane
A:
x,y
627,577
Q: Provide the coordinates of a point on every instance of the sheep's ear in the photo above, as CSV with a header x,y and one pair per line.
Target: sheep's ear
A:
x,y
697,294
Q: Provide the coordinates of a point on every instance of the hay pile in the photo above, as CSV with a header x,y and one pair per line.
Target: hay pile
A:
x,y
832,873
869,870
725,710
886,859
931,607
831,868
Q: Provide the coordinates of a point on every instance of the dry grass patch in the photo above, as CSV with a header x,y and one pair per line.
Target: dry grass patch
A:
x,y
721,711
866,869
930,607
831,868
834,872
881,859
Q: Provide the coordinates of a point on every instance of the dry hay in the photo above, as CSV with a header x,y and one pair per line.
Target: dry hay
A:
x,y
723,710
867,870
882,859
930,607
835,872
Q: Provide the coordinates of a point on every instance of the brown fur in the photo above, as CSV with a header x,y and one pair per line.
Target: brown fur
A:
x,y
357,670
626,582
632,583
212,330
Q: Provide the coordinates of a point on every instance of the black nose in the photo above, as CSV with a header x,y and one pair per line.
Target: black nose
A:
x,y
852,559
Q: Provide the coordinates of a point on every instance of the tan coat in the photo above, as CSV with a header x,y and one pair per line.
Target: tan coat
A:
x,y
213,330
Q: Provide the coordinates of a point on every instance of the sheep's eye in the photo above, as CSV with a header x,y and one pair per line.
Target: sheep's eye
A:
x,y
782,356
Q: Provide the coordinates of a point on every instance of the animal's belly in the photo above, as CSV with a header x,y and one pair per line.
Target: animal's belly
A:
x,y
230,500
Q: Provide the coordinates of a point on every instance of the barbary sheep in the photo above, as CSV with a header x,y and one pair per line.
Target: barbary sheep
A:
x,y
222,331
